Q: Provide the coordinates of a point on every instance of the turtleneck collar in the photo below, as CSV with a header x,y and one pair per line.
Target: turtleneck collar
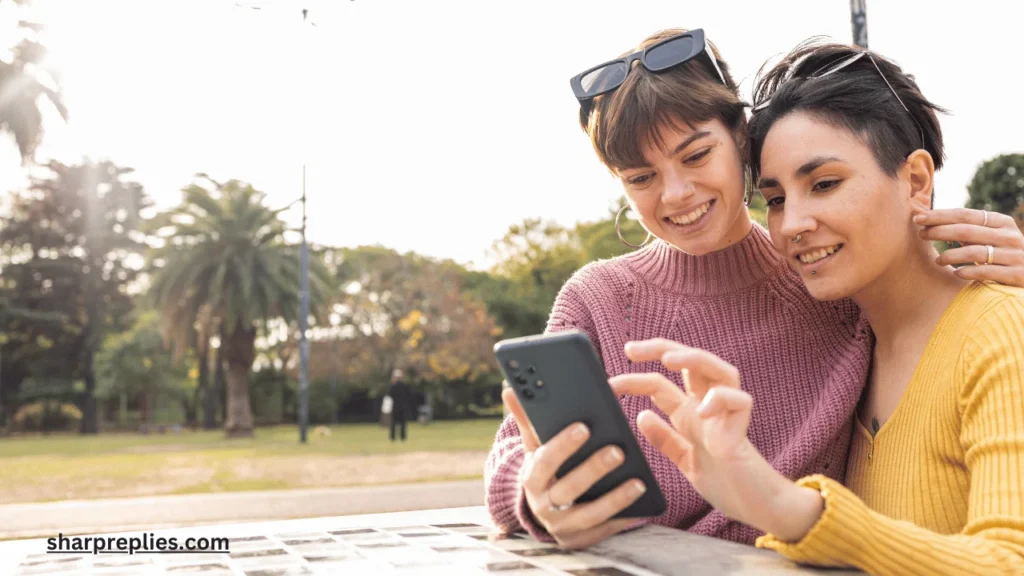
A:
x,y
739,266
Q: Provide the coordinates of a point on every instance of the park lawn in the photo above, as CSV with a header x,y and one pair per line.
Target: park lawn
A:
x,y
36,469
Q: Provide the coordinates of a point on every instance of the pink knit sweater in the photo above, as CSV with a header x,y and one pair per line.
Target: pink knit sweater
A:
x,y
805,363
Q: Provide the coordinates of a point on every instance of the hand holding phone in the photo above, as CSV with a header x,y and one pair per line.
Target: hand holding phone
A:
x,y
585,478
578,526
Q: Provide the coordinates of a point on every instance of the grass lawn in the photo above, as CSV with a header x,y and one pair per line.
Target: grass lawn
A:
x,y
34,469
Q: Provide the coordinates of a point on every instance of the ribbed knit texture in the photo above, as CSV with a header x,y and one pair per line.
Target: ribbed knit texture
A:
x,y
805,363
940,490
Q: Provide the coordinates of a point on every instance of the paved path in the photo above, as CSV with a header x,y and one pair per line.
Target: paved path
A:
x,y
138,514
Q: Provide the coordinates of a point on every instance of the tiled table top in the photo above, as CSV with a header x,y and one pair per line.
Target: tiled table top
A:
x,y
450,542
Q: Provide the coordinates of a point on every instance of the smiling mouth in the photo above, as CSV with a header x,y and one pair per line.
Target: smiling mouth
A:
x,y
816,256
692,217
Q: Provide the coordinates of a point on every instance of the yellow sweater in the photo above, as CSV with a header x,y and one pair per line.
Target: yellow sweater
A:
x,y
940,489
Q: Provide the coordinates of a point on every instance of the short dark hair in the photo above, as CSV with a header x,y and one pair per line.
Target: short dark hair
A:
x,y
856,98
622,121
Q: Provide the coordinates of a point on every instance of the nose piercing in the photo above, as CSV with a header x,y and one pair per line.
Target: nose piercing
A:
x,y
797,238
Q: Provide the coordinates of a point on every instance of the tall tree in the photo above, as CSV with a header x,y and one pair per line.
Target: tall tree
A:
x,y
225,249
206,398
408,311
27,83
14,368
70,246
534,259
998,184
378,288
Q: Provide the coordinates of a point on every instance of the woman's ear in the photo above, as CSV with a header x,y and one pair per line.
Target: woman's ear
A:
x,y
919,173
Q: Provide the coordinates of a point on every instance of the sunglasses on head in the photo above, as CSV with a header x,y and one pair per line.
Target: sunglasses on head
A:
x,y
668,53
832,68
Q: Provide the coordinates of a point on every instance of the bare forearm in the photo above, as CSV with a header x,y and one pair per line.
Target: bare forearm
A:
x,y
777,505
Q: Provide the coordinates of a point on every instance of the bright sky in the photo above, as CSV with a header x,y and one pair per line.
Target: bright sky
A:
x,y
434,125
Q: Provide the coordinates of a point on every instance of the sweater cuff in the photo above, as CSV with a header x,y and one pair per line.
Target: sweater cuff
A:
x,y
502,488
506,499
834,540
528,522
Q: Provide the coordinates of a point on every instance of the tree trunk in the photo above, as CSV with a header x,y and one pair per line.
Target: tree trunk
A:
x,y
220,389
93,336
207,397
190,408
14,374
146,410
122,413
89,424
239,354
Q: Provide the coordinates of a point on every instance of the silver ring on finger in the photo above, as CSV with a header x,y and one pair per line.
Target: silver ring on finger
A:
x,y
558,507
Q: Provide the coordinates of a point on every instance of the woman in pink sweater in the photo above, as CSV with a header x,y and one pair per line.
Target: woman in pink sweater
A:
x,y
667,120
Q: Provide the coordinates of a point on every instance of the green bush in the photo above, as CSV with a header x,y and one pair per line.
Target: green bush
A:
x,y
323,402
493,411
267,391
46,416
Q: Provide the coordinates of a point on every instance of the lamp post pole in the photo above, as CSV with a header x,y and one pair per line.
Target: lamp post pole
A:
x,y
859,21
303,322
304,296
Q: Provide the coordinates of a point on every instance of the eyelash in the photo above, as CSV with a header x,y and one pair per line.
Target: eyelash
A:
x,y
833,184
698,156
773,205
691,160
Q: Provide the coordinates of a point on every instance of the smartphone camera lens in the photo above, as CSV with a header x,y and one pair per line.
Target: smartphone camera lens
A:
x,y
521,380
528,394
532,370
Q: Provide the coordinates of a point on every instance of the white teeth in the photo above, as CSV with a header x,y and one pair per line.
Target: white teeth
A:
x,y
812,257
692,216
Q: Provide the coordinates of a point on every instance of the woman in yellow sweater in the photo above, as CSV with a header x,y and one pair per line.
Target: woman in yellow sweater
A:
x,y
843,143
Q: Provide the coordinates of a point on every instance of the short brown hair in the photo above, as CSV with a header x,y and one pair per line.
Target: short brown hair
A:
x,y
623,120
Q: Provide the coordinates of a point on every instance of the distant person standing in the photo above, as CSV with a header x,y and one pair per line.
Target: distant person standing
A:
x,y
401,398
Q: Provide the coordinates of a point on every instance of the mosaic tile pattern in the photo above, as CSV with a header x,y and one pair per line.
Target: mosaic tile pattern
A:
x,y
448,549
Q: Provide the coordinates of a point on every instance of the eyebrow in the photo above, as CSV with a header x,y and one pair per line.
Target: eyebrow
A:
x,y
682,146
804,170
690,140
815,163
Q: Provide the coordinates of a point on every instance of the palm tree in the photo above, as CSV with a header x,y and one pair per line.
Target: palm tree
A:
x,y
25,82
224,251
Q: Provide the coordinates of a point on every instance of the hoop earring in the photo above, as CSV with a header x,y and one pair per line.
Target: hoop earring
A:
x,y
619,232
748,186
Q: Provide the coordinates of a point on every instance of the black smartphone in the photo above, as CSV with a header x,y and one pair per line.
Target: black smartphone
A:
x,y
559,380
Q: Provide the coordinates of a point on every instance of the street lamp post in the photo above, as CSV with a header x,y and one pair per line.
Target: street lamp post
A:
x,y
304,298
859,21
303,321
